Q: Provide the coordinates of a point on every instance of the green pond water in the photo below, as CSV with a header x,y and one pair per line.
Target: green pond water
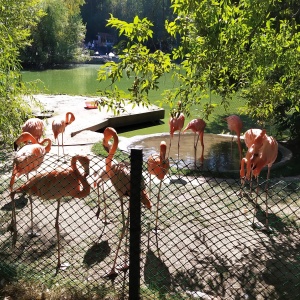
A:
x,y
82,80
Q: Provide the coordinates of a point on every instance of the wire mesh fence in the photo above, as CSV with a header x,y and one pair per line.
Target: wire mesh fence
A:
x,y
204,245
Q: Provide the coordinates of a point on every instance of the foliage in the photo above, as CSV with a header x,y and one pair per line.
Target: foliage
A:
x,y
137,62
96,12
58,38
16,21
246,48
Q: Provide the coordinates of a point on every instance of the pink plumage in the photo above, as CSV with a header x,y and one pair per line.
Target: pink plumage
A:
x,y
55,184
197,126
235,124
35,127
59,126
30,157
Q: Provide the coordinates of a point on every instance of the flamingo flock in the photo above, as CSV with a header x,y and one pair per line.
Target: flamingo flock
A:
x,y
58,183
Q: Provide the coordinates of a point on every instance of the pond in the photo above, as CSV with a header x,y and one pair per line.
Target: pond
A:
x,y
82,80
221,152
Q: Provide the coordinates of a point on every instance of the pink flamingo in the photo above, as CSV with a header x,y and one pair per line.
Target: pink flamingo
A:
x,y
254,139
28,158
100,179
158,165
263,152
235,124
197,126
59,126
176,123
55,184
35,127
119,174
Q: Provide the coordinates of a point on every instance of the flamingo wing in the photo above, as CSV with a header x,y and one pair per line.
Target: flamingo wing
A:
x,y
29,158
34,126
58,126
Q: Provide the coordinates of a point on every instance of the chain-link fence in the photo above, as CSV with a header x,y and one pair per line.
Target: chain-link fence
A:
x,y
205,246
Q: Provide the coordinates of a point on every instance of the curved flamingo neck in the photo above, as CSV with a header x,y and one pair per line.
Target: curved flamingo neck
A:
x,y
163,151
69,118
112,150
26,137
23,138
48,146
81,178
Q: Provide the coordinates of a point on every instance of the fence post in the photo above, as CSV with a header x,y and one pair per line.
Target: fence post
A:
x,y
135,223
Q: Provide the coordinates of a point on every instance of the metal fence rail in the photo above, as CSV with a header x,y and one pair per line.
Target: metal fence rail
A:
x,y
205,246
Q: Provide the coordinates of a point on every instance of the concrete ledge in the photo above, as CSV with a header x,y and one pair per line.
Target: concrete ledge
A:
x,y
94,119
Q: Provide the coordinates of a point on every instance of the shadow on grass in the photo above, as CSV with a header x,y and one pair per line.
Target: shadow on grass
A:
x,y
96,254
157,275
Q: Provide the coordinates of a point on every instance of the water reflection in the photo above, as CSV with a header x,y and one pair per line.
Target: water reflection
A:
x,y
220,152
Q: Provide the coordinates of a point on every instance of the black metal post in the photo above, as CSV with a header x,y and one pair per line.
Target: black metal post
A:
x,y
135,223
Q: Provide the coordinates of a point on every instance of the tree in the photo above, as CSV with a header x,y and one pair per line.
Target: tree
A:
x,y
16,21
95,14
58,38
246,48
136,62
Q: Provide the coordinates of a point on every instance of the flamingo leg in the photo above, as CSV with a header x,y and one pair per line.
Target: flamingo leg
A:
x,y
105,221
62,143
178,146
57,139
202,145
113,273
125,265
150,181
157,207
31,232
58,235
98,201
170,146
13,225
267,212
195,148
255,205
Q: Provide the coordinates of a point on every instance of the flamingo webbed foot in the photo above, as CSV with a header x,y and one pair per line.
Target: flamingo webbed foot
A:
x,y
32,233
105,221
123,267
262,228
156,230
111,275
63,267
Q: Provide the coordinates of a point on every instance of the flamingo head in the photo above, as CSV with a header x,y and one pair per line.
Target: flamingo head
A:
x,y
26,138
163,148
108,133
85,162
70,118
145,199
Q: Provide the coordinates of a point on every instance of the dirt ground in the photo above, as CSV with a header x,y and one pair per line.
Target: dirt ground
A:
x,y
206,247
